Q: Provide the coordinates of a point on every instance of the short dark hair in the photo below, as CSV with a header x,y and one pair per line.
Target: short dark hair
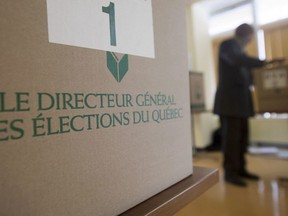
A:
x,y
244,30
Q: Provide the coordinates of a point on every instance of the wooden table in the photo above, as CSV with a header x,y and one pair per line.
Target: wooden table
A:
x,y
174,198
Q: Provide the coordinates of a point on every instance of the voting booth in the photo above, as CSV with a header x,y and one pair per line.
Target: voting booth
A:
x,y
197,91
94,105
271,88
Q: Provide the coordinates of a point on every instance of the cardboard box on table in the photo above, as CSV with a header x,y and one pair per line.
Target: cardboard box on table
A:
x,y
271,88
78,139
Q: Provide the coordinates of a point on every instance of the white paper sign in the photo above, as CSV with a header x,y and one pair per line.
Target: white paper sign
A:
x,y
123,26
275,79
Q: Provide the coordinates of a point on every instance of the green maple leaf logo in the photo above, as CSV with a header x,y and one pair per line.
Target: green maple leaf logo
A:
x,y
117,67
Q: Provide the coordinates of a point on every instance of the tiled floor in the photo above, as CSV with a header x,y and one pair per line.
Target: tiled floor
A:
x,y
266,197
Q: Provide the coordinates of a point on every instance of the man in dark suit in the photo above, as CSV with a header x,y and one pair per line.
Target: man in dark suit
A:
x,y
233,102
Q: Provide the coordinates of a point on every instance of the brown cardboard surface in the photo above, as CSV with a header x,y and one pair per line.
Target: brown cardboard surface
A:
x,y
271,89
51,165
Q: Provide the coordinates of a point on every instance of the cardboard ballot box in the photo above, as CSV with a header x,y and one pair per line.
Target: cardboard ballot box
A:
x,y
94,105
271,88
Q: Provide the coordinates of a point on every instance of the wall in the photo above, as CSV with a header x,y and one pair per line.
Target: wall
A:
x,y
200,49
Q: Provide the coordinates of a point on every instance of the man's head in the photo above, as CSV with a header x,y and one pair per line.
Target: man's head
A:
x,y
244,33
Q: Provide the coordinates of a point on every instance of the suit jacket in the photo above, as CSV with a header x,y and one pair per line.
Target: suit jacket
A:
x,y
233,96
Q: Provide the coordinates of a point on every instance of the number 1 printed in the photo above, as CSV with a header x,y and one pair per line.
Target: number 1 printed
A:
x,y
111,11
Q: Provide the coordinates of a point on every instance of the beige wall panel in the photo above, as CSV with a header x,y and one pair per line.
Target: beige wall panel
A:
x,y
285,41
268,46
276,43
